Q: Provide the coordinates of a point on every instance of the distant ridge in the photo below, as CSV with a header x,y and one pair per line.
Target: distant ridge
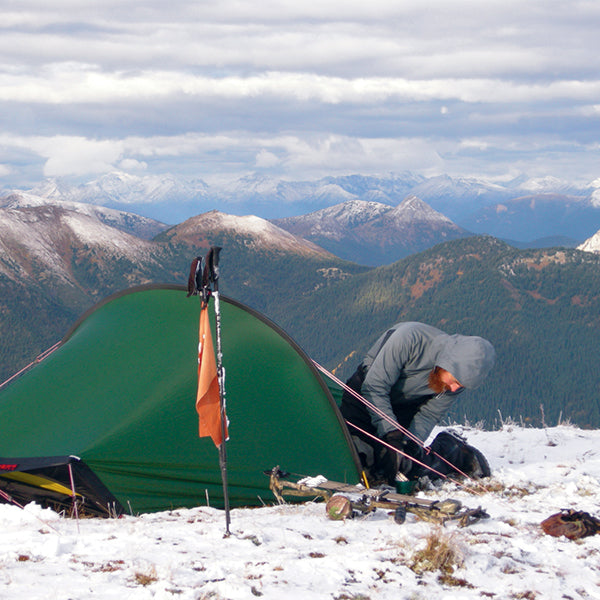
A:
x,y
128,222
538,216
373,233
172,199
538,307
257,232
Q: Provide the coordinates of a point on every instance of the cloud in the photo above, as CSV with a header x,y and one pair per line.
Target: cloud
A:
x,y
76,83
302,155
314,155
72,155
266,159
130,164
295,88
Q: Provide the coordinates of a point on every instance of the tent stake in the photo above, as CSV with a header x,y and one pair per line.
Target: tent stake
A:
x,y
75,511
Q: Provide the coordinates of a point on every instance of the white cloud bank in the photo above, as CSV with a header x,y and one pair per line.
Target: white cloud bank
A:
x,y
295,88
71,83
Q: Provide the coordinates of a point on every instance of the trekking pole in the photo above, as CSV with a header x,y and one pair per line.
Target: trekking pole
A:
x,y
212,264
204,276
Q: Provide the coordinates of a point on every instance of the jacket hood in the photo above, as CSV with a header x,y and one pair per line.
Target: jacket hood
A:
x,y
468,358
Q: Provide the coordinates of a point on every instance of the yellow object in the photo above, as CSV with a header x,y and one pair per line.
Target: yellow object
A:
x,y
38,481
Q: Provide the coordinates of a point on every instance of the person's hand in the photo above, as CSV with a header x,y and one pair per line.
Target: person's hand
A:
x,y
407,446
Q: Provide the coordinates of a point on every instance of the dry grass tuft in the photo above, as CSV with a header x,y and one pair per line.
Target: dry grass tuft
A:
x,y
450,580
493,486
441,553
146,578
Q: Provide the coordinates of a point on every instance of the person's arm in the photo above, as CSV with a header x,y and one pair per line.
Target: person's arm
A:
x,y
431,414
386,369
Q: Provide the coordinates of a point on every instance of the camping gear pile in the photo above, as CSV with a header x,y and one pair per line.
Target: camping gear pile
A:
x,y
346,501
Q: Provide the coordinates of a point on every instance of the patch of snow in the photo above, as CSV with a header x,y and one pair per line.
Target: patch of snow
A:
x,y
413,209
591,244
109,216
539,185
293,551
91,232
265,233
42,234
23,234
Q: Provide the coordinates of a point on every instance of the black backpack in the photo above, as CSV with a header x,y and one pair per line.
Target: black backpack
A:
x,y
454,448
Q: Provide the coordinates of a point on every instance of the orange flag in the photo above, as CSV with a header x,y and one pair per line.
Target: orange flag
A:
x,y
208,403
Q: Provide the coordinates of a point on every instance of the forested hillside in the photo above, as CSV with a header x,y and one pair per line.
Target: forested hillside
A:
x,y
540,309
39,303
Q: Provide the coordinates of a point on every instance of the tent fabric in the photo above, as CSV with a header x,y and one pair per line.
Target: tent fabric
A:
x,y
119,393
50,481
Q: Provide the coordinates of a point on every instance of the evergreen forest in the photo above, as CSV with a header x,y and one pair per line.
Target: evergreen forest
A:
x,y
540,308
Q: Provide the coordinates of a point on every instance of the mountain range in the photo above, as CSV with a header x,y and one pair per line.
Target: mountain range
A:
x,y
57,259
538,306
373,233
523,210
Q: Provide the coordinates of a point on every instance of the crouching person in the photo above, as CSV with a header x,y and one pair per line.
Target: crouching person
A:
x,y
412,376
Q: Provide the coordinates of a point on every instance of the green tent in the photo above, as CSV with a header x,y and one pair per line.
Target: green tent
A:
x,y
110,414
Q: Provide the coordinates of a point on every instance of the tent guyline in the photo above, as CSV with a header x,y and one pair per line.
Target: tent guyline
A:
x,y
384,443
34,362
397,426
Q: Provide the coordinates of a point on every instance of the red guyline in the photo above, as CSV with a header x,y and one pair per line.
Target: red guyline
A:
x,y
396,425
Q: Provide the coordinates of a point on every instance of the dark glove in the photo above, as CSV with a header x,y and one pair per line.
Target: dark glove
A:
x,y
397,462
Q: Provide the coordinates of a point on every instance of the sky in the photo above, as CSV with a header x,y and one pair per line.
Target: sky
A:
x,y
298,90
295,552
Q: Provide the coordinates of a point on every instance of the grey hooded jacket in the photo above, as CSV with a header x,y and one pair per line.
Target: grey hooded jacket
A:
x,y
398,367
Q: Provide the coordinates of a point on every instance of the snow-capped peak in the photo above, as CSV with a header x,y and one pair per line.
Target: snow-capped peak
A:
x,y
259,231
413,209
591,244
124,221
44,232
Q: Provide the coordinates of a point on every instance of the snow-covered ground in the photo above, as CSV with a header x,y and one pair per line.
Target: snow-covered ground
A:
x,y
295,552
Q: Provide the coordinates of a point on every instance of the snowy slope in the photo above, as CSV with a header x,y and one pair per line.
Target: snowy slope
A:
x,y
45,238
294,552
591,244
258,233
123,188
353,215
124,221
372,232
